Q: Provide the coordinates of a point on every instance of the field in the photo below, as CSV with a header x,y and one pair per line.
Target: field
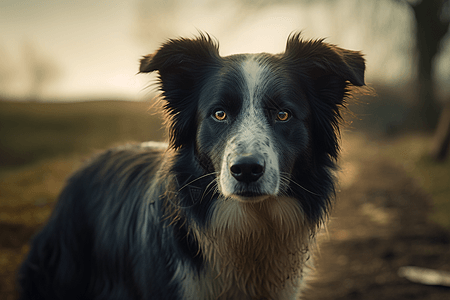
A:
x,y
392,209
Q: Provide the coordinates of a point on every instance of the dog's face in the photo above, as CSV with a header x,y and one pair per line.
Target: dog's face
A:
x,y
251,126
256,120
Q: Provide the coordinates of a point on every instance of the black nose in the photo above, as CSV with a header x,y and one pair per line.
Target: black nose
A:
x,y
247,168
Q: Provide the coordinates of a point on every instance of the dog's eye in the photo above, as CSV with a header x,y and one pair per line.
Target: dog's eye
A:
x,y
283,116
220,115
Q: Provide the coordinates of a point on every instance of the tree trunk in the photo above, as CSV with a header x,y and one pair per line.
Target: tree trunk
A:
x,y
430,30
441,141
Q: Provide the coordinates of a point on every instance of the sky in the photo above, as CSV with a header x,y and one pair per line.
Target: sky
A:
x,y
94,47
89,41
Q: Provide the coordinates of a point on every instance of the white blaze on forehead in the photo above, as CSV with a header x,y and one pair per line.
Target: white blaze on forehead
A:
x,y
252,124
254,74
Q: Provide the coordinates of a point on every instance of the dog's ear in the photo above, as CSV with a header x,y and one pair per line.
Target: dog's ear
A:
x,y
326,72
183,65
346,64
320,59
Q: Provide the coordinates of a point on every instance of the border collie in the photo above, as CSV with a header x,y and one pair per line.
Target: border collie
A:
x,y
229,208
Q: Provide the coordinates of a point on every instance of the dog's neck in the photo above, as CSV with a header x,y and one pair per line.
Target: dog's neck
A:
x,y
258,248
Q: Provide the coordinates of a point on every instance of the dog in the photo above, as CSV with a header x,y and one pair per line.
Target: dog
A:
x,y
230,206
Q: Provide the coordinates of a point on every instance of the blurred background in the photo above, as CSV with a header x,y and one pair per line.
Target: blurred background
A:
x,y
69,87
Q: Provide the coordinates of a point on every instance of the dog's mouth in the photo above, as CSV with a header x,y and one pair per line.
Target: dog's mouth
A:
x,y
250,196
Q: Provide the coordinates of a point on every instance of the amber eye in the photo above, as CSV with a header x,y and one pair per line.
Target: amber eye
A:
x,y
283,116
220,115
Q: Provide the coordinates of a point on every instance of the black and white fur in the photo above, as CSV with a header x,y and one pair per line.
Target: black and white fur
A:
x,y
229,209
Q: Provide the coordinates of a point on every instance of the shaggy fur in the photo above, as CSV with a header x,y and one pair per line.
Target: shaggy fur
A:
x,y
228,209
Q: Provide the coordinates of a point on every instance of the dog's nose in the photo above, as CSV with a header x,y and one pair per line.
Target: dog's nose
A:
x,y
248,168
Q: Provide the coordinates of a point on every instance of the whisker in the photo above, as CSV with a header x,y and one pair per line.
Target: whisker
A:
x,y
198,178
206,189
287,177
284,181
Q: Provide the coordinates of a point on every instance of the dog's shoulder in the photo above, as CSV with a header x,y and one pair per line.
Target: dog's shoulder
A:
x,y
117,172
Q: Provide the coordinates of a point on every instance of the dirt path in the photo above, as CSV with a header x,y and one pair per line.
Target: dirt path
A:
x,y
379,224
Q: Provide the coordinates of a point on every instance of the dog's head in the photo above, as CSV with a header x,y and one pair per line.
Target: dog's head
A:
x,y
266,125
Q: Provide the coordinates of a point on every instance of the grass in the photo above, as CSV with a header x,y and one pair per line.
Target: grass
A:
x,y
33,131
436,180
411,151
27,194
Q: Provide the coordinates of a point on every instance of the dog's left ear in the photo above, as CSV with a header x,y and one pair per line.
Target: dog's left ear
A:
x,y
326,72
183,65
320,59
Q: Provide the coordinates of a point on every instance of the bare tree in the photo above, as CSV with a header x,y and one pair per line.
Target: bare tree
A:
x,y
441,141
42,70
7,72
432,20
432,25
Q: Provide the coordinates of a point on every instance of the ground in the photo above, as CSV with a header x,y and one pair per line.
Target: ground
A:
x,y
379,224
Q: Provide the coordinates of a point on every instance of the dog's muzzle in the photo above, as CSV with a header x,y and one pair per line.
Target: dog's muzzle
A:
x,y
248,172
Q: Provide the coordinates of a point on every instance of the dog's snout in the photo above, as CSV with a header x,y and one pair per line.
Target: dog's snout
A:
x,y
248,168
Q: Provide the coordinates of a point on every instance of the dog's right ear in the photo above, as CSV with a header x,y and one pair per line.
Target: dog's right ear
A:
x,y
183,65
145,64
180,54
